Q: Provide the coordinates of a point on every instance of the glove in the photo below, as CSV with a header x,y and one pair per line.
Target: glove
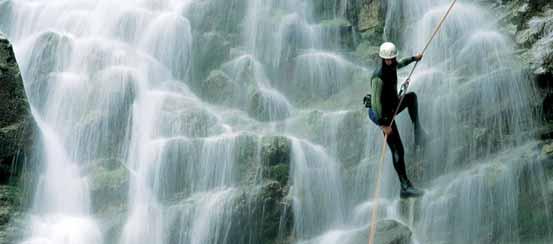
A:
x,y
367,101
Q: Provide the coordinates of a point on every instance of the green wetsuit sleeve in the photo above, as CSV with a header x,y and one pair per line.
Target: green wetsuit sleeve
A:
x,y
405,61
376,88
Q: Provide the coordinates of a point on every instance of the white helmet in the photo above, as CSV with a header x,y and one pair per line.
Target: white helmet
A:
x,y
388,50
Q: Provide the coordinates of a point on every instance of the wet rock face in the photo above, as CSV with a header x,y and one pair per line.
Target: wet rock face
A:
x,y
392,232
13,104
368,18
219,88
534,223
371,20
269,209
13,134
13,109
532,22
540,29
275,156
548,108
10,214
266,211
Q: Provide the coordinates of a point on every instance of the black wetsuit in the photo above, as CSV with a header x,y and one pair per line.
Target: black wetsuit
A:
x,y
384,102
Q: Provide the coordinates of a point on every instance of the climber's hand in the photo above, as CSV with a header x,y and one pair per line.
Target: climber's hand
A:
x,y
418,57
387,130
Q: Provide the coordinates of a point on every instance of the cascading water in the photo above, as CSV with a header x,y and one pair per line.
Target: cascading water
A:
x,y
477,83
179,99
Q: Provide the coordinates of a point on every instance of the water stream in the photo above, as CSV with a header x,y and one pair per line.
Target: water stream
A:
x,y
176,92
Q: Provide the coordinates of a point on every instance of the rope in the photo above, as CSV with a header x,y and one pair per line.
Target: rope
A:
x,y
405,86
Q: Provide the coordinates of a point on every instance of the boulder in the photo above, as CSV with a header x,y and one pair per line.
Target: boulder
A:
x,y
263,205
267,210
110,144
110,184
51,53
219,88
275,158
183,116
175,173
263,158
269,105
275,150
387,232
210,50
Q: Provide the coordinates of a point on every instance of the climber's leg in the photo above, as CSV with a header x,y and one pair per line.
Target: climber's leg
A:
x,y
396,147
410,102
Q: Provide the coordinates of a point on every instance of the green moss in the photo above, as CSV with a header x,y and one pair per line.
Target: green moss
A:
x,y
109,179
11,218
9,203
13,102
110,182
275,150
279,173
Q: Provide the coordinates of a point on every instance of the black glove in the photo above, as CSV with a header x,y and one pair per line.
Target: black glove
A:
x,y
367,101
386,121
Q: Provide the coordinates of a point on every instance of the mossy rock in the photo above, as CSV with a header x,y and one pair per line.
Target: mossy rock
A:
x,y
219,88
269,106
279,173
9,201
13,102
11,217
266,209
210,50
109,184
275,150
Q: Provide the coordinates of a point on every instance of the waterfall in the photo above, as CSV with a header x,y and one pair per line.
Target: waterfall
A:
x,y
475,82
199,121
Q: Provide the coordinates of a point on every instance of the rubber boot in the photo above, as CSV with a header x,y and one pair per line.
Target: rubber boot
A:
x,y
408,190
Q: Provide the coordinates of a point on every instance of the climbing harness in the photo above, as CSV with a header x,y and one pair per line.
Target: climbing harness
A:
x,y
404,87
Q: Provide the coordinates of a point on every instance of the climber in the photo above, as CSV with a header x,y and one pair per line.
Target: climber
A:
x,y
383,103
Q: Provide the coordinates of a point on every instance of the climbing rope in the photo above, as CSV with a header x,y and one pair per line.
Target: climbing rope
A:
x,y
405,86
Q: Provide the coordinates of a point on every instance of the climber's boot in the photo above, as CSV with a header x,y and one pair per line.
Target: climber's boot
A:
x,y
408,190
